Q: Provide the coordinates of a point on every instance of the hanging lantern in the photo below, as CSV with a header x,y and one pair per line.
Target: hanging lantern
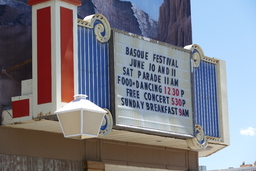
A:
x,y
80,118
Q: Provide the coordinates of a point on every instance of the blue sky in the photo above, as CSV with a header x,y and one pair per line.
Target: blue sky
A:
x,y
227,30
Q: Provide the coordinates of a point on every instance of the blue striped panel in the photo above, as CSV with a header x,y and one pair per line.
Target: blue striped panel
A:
x,y
93,67
206,99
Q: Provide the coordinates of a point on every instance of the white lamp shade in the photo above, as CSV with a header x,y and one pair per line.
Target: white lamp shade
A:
x,y
80,118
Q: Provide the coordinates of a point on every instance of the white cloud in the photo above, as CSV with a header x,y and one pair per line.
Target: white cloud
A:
x,y
249,131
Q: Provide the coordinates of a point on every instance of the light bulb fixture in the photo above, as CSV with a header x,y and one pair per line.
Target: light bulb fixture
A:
x,y
80,118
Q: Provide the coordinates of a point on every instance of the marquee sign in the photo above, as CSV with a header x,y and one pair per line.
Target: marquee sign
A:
x,y
151,85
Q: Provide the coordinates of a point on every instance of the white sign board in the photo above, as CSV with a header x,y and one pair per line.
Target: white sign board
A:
x,y
152,86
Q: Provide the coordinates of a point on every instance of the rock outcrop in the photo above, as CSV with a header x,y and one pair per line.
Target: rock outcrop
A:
x,y
87,8
174,24
15,13
119,14
122,15
147,25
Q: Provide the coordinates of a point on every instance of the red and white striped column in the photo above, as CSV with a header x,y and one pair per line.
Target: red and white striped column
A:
x,y
54,35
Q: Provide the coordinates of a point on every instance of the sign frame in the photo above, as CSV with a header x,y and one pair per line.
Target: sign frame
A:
x,y
113,87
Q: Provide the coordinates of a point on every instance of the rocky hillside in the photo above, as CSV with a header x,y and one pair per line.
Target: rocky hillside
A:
x,y
122,15
147,25
14,12
174,25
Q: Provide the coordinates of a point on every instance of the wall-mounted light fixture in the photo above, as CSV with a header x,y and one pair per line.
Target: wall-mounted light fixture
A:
x,y
81,118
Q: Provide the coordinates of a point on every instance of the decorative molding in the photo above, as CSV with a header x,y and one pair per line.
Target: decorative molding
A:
x,y
198,55
74,2
196,58
34,2
210,60
107,125
102,30
216,139
199,142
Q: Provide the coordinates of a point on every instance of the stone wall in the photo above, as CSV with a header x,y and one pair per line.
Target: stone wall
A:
x,y
26,163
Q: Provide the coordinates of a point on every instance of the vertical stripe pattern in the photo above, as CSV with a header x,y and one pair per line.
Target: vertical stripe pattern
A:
x,y
93,67
206,100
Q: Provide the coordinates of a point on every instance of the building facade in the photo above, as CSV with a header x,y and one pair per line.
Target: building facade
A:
x,y
166,105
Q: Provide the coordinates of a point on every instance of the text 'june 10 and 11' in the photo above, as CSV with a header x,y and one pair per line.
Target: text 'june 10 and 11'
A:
x,y
151,83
